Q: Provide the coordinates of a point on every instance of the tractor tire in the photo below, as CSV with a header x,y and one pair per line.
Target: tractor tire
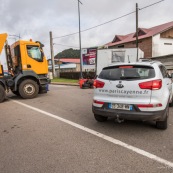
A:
x,y
2,94
28,89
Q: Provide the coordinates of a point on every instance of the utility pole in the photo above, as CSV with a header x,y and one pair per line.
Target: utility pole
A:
x,y
52,55
59,67
137,30
81,76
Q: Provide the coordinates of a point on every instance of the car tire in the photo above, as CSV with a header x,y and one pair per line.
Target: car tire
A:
x,y
171,104
28,89
163,124
2,93
100,118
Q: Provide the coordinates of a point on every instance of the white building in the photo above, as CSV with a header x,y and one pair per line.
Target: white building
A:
x,y
155,41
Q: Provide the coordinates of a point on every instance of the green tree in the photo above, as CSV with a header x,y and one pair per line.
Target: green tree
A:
x,y
69,53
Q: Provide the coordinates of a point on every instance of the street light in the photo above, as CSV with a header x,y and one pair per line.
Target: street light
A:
x,y
15,36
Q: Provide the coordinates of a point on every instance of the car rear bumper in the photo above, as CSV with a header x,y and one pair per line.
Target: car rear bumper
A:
x,y
130,115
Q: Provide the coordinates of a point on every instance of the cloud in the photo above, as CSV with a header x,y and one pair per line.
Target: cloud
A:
x,y
36,18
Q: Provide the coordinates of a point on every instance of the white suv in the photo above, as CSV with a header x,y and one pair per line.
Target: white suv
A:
x,y
133,91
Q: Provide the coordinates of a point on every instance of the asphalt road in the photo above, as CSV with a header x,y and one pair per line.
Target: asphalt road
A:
x,y
57,133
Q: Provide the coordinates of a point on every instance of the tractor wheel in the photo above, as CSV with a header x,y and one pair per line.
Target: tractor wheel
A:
x,y
2,93
28,89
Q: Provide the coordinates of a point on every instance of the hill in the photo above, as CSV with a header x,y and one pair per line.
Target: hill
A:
x,y
69,53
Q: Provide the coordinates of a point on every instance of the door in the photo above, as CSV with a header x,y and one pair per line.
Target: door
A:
x,y
36,60
166,80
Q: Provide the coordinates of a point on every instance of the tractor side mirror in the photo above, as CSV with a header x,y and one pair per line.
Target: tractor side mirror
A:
x,y
42,55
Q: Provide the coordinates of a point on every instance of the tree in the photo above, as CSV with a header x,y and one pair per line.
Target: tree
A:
x,y
69,53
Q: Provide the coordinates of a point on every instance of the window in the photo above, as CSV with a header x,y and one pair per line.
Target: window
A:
x,y
163,71
120,46
34,52
118,56
140,32
167,43
16,59
127,72
17,51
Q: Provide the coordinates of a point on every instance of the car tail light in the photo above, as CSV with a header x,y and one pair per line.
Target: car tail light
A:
x,y
127,66
151,85
98,102
98,84
149,105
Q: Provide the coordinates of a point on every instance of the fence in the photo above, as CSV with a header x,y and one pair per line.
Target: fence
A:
x,y
76,75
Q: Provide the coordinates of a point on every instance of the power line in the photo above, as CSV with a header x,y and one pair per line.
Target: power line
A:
x,y
65,45
67,35
97,25
80,2
109,20
151,5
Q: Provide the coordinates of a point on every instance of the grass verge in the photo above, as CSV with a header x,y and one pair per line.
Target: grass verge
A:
x,y
63,80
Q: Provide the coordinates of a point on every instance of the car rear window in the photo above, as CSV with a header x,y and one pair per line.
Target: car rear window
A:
x,y
127,72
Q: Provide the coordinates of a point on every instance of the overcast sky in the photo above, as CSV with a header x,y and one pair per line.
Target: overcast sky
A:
x,y
36,18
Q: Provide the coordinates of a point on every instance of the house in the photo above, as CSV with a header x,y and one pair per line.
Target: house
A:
x,y
66,64
155,41
167,60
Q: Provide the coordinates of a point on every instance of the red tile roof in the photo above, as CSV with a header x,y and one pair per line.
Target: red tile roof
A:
x,y
70,60
149,32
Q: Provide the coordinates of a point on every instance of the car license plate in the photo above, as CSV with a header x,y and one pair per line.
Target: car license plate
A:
x,y
120,106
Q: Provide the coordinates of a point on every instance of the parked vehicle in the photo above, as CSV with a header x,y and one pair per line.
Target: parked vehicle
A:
x,y
106,57
86,83
27,68
133,91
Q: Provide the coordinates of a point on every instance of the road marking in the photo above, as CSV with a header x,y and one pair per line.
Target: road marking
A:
x,y
100,135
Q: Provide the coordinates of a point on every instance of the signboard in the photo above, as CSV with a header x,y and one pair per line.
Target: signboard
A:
x,y
89,58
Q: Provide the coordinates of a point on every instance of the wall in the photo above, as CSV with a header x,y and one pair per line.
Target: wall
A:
x,y
159,47
167,61
145,45
77,68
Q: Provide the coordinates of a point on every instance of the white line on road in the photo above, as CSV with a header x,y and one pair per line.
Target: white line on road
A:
x,y
100,135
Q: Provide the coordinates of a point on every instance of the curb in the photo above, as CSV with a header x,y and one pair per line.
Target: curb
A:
x,y
68,84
